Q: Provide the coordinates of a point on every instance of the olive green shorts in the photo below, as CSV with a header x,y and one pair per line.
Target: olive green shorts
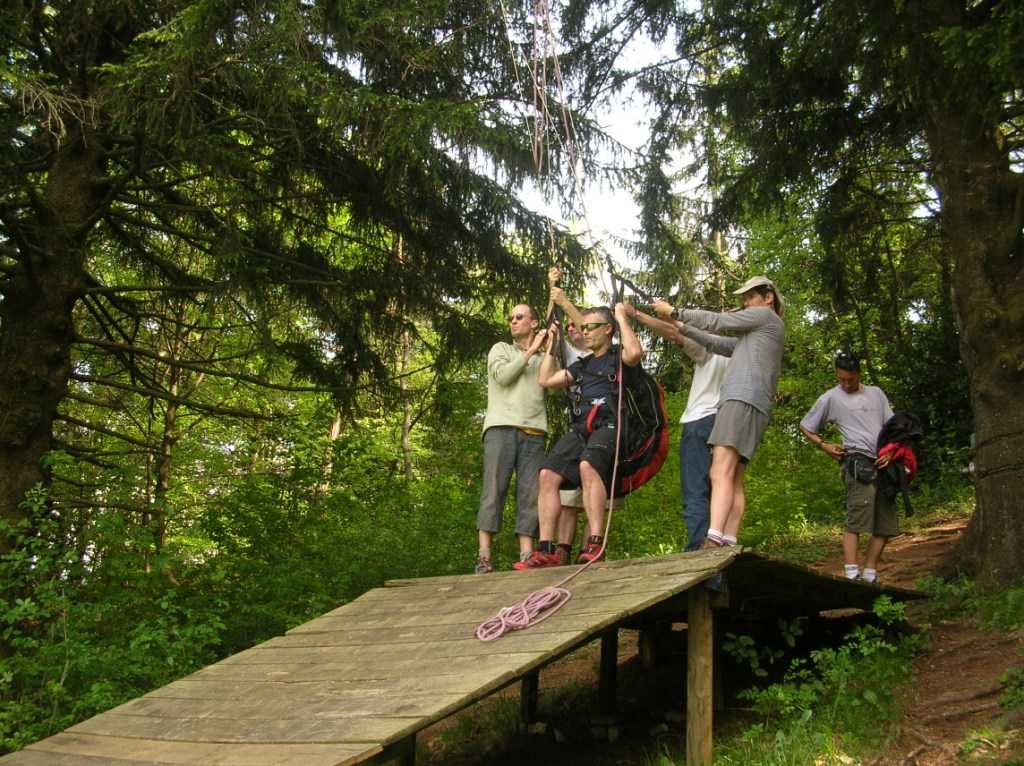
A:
x,y
868,510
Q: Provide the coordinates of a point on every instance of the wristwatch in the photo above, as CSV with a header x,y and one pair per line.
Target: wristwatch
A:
x,y
675,313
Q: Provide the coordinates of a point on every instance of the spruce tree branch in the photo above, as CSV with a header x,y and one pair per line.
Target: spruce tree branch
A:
x,y
75,482
161,227
156,393
82,456
198,365
103,430
119,289
113,506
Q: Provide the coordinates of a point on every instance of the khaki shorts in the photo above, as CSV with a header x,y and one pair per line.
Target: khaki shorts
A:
x,y
867,510
572,498
738,425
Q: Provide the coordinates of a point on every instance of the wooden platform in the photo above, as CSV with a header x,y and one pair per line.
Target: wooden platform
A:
x,y
355,685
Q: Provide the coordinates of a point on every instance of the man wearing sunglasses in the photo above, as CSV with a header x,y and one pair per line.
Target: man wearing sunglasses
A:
x,y
585,456
574,347
515,428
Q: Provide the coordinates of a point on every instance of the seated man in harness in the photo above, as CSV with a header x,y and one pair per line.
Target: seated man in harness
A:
x,y
585,455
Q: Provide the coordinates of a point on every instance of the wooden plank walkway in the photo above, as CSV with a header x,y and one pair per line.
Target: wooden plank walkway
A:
x,y
355,685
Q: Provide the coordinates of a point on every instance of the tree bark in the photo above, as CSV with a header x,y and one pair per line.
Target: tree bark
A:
x,y
36,330
982,204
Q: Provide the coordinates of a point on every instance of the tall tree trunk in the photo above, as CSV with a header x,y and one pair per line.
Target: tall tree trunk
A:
x,y
36,330
407,415
982,217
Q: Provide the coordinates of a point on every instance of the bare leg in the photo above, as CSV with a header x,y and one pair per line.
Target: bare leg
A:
x,y
485,539
850,544
875,547
724,461
567,518
739,502
595,498
549,503
525,546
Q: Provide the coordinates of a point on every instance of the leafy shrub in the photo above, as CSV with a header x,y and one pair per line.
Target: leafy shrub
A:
x,y
1013,693
831,703
87,632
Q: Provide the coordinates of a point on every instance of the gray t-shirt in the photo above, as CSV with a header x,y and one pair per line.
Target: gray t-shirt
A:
x,y
756,350
858,416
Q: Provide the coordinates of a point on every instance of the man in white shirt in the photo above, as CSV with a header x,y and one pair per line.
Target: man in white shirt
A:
x,y
698,419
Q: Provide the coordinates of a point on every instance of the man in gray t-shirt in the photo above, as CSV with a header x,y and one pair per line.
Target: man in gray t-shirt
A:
x,y
859,412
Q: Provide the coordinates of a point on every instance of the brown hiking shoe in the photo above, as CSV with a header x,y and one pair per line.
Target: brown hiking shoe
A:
x,y
483,565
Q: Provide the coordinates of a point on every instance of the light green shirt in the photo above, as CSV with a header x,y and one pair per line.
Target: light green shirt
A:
x,y
514,397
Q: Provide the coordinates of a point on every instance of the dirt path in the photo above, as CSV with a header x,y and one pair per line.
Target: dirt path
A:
x,y
955,693
957,681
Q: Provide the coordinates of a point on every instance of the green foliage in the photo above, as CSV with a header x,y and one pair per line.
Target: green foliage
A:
x,y
1002,610
832,704
1012,695
90,630
745,651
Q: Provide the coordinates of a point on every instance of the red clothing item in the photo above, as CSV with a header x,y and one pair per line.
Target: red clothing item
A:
x,y
901,453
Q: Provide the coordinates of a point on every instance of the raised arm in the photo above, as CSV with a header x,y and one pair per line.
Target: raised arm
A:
x,y
716,344
556,296
632,352
731,322
550,374
505,363
670,331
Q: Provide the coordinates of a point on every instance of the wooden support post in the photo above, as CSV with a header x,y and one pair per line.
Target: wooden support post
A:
x,y
400,753
699,664
607,683
528,698
408,756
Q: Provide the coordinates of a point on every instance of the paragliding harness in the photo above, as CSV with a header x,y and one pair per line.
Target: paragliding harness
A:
x,y
644,428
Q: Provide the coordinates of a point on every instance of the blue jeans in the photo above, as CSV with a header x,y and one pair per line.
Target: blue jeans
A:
x,y
508,450
694,476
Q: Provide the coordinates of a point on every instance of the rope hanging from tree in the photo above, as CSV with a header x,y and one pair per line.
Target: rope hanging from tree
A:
x,y
543,603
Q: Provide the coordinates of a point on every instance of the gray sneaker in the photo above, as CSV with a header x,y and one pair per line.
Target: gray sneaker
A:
x,y
483,565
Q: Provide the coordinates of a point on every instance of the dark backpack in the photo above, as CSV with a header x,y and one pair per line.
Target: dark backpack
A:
x,y
905,429
646,430
644,441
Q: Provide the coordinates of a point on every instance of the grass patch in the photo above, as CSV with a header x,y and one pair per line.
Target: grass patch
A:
x,y
1001,611
992,745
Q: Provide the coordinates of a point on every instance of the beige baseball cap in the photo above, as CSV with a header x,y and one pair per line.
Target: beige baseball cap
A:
x,y
762,281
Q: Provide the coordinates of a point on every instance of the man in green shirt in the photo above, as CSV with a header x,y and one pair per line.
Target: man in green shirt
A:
x,y
515,427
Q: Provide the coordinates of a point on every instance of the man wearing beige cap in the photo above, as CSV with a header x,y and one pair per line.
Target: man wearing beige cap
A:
x,y
753,337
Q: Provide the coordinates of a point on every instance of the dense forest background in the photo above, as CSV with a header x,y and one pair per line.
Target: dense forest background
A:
x,y
252,256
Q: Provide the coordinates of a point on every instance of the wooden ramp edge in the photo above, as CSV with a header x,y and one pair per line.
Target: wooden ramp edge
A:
x,y
351,686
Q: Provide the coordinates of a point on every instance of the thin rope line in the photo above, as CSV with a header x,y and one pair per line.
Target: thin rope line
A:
x,y
541,604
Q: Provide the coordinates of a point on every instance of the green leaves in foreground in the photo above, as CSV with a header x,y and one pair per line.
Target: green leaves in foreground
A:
x,y
830,705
